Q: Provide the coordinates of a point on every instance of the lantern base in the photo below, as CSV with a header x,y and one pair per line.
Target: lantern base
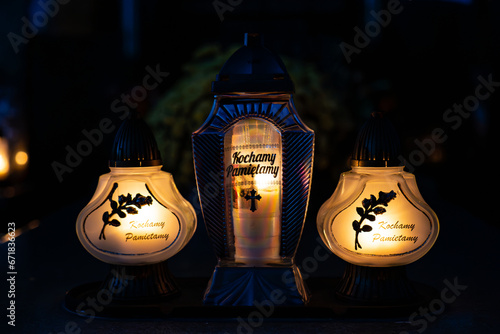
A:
x,y
127,291
382,288
249,286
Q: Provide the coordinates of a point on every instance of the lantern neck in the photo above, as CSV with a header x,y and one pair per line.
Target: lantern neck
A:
x,y
378,170
135,170
255,95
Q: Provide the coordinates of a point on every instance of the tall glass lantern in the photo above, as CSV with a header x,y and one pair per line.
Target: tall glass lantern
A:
x,y
253,158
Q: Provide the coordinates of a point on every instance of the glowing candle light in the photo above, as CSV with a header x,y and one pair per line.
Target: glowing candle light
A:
x,y
253,178
134,217
378,218
4,158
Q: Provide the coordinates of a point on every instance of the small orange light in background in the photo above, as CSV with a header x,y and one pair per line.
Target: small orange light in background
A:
x,y
21,158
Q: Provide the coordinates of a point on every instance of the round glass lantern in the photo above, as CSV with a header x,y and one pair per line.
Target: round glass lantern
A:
x,y
377,221
136,220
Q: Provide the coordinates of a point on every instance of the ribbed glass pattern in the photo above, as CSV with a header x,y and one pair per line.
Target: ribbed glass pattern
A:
x,y
134,145
377,144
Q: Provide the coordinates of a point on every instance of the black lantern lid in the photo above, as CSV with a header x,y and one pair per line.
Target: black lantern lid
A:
x,y
253,68
377,144
135,145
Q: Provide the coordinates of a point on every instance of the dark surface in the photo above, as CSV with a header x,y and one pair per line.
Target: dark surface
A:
x,y
323,304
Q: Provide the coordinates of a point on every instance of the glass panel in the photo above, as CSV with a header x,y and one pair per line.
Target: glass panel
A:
x,y
252,178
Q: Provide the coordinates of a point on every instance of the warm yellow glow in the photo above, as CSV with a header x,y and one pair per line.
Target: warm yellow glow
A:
x,y
21,158
377,217
401,229
4,158
152,229
253,179
136,216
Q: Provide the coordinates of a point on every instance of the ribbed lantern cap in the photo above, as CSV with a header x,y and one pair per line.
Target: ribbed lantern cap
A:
x,y
253,68
135,145
377,144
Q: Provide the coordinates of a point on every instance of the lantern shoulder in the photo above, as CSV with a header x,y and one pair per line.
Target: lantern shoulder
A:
x,y
276,108
136,217
377,217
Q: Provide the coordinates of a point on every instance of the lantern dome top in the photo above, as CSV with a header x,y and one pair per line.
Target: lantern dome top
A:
x,y
377,144
253,68
135,145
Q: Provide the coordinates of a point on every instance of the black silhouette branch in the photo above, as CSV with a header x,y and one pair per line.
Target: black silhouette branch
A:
x,y
125,204
370,205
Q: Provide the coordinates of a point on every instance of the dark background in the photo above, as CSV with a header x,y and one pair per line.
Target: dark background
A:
x,y
64,79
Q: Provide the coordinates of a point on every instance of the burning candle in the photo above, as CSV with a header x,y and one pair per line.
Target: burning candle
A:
x,y
252,162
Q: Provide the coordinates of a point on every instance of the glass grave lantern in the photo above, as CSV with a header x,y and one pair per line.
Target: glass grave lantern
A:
x,y
135,221
253,160
377,221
